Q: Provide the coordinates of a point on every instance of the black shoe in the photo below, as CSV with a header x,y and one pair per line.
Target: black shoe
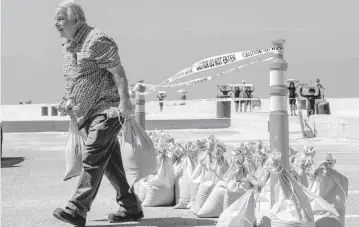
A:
x,y
121,216
69,217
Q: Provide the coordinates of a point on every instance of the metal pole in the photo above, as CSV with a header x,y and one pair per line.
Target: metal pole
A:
x,y
278,117
140,113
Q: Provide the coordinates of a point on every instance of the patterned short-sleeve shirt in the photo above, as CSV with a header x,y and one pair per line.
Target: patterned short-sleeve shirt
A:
x,y
88,83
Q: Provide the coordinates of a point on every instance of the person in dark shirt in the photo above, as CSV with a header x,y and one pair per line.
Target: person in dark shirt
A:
x,y
292,98
161,97
236,94
311,99
246,94
223,90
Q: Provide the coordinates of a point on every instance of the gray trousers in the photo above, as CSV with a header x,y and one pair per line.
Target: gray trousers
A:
x,y
102,156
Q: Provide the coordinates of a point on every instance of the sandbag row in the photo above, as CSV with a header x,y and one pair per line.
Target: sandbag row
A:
x,y
296,205
197,176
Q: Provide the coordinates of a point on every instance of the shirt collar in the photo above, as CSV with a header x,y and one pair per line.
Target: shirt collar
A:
x,y
79,35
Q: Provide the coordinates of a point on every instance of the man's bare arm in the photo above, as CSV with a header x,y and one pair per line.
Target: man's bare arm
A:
x,y
121,80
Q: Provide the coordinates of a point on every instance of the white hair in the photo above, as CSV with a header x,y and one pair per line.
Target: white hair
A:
x,y
74,10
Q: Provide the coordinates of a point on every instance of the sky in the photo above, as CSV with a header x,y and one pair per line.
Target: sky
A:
x,y
158,38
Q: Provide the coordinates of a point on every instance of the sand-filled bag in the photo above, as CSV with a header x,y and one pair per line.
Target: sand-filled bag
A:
x,y
160,191
75,146
183,174
137,151
198,175
325,215
331,185
240,213
236,183
234,190
302,165
213,206
218,168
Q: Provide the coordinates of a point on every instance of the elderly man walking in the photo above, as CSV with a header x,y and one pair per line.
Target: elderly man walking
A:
x,y
96,83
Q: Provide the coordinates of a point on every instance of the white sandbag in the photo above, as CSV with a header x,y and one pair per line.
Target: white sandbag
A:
x,y
241,166
182,188
331,186
177,168
159,196
178,172
140,188
234,191
205,188
160,191
302,165
338,196
240,213
325,215
301,175
75,146
198,175
137,151
213,206
262,213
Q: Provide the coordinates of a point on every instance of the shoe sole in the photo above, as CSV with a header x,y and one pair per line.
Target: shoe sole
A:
x,y
127,219
65,220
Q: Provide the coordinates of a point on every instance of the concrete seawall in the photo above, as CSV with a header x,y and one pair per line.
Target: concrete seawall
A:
x,y
63,125
330,126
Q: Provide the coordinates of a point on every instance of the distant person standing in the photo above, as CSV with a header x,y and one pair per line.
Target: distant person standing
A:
x,y
319,86
256,103
223,90
161,96
242,102
250,96
292,98
236,94
246,95
183,98
319,100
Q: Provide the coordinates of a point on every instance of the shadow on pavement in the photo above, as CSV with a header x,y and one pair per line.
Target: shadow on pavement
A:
x,y
164,222
11,162
328,221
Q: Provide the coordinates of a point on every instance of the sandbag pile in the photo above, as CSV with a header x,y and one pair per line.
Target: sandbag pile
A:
x,y
296,205
196,176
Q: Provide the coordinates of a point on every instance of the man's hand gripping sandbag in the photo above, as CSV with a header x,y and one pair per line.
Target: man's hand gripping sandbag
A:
x,y
137,151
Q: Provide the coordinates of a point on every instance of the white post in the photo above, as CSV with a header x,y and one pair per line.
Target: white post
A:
x,y
278,117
